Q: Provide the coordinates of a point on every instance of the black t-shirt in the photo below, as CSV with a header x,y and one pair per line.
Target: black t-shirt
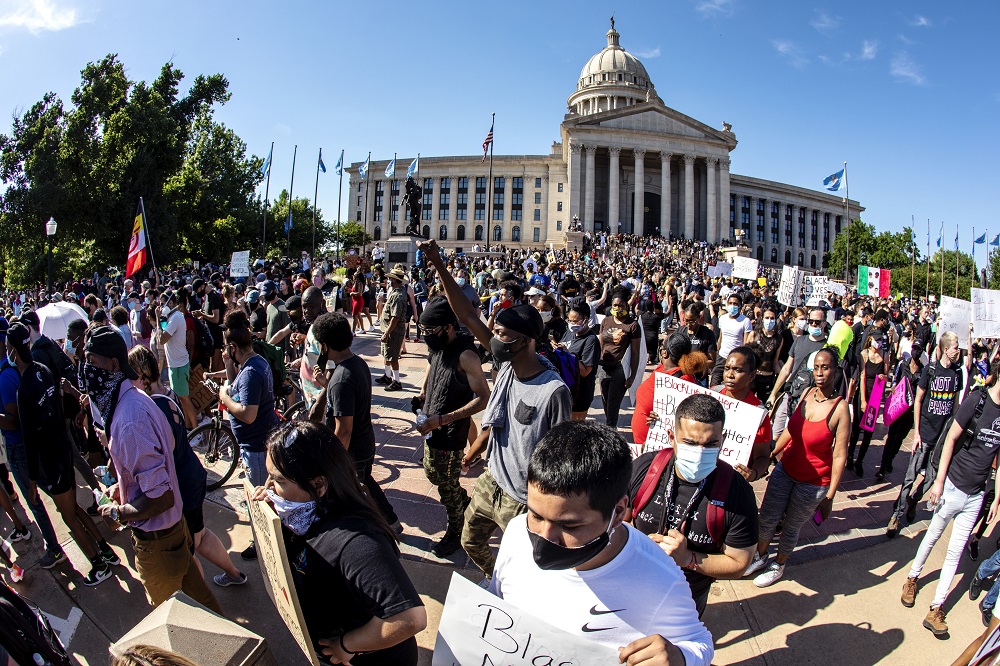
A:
x,y
703,340
258,319
939,399
214,302
970,465
46,444
349,393
345,574
741,527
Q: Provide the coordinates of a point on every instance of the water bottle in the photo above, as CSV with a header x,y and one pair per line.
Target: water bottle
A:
x,y
104,474
422,419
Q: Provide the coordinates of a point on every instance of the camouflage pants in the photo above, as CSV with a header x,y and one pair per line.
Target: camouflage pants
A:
x,y
443,469
490,508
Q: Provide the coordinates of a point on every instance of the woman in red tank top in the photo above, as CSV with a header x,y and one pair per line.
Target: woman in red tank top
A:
x,y
812,453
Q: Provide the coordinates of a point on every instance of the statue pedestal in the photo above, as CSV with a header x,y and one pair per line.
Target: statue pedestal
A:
x,y
574,241
401,250
728,253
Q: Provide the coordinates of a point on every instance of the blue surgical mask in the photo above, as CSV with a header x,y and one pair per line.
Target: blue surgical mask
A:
x,y
769,324
460,282
694,463
70,349
816,331
734,310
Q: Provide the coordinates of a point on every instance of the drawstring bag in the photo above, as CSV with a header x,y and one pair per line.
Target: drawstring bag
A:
x,y
900,400
874,403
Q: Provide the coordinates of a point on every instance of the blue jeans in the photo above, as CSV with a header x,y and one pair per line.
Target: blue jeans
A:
x,y
254,461
19,468
987,569
791,502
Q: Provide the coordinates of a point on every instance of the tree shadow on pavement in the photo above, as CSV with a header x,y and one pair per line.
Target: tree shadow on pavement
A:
x,y
832,644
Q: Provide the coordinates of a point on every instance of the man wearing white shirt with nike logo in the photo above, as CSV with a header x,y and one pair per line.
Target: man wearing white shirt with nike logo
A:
x,y
572,562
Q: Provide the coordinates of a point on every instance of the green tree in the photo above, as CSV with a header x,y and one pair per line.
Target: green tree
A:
x,y
352,235
278,244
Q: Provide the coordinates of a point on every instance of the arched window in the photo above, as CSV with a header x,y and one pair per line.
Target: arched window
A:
x,y
377,233
788,257
802,259
515,234
460,232
479,232
427,231
443,232
497,233
774,255
760,253
812,261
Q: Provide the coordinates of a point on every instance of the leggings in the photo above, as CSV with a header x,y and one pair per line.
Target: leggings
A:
x,y
612,381
856,431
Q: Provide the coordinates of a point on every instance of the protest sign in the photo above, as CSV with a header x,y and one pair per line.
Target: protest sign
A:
x,y
790,286
836,288
530,265
742,419
276,572
479,629
762,281
956,315
239,265
814,289
724,269
745,268
713,271
985,312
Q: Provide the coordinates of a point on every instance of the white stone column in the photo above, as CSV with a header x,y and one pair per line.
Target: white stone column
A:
x,y
588,206
724,231
574,180
665,193
689,197
452,208
614,182
639,203
508,187
712,222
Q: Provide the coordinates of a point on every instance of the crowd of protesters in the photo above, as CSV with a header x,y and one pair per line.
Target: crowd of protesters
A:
x,y
111,393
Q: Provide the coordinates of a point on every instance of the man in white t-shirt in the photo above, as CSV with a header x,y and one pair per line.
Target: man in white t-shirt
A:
x,y
173,336
733,329
572,562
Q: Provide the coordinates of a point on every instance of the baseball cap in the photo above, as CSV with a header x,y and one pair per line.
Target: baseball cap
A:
x,y
267,288
253,296
31,319
18,336
107,342
534,291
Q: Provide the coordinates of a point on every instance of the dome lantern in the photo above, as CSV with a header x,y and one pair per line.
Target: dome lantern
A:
x,y
611,79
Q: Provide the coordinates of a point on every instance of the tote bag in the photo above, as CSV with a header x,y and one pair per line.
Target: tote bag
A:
x,y
874,403
900,400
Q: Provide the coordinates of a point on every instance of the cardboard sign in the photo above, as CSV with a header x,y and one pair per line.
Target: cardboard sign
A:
x,y
738,435
956,315
985,312
745,268
530,265
480,629
239,265
790,287
724,269
276,572
814,288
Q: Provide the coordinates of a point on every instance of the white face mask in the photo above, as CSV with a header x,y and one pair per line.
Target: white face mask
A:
x,y
296,516
546,316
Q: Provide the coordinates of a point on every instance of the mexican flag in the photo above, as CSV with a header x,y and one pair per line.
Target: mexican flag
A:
x,y
873,281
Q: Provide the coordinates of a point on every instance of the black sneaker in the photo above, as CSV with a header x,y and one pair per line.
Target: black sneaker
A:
x,y
394,386
974,551
49,560
110,556
987,614
449,543
383,380
98,575
976,588
19,535
250,552
880,476
911,510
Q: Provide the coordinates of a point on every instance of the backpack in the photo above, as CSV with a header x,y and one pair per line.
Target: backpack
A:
x,y
203,339
569,369
804,379
25,631
275,360
716,516
145,328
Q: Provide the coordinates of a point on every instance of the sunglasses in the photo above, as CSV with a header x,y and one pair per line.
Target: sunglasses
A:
x,y
816,322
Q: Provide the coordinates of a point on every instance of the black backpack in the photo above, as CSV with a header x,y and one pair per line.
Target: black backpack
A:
x,y
25,631
204,340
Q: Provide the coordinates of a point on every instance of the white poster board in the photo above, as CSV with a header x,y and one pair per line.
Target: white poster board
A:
x,y
239,266
790,286
836,288
956,315
814,288
723,269
985,312
478,628
738,435
530,265
745,268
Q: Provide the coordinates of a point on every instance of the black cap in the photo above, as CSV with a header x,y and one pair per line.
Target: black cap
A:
x,y
31,319
107,342
437,312
294,303
523,319
18,337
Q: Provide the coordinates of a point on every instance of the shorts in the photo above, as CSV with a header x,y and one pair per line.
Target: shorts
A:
x,y
57,476
391,348
179,379
196,520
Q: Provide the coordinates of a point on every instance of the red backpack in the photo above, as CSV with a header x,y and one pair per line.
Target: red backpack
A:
x,y
716,516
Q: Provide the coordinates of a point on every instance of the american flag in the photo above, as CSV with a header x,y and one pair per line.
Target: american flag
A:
x,y
487,142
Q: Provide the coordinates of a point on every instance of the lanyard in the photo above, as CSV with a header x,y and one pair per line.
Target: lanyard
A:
x,y
669,498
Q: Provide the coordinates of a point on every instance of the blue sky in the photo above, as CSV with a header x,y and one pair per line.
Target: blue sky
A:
x,y
905,92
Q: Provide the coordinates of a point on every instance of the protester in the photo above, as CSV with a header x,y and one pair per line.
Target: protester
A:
x,y
767,344
798,369
583,343
393,324
177,340
674,350
620,332
739,377
874,363
734,328
907,372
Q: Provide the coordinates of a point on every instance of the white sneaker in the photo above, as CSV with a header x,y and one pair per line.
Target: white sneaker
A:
x,y
756,564
771,575
371,329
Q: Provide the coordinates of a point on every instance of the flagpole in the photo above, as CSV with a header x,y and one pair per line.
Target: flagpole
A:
x,y
340,196
149,244
489,186
368,168
847,214
291,219
927,286
941,293
267,188
315,196
958,261
913,256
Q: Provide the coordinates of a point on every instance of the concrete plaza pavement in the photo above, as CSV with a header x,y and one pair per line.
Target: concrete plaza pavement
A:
x,y
838,603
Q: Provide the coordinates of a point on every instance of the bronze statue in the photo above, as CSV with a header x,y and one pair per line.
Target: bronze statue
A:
x,y
412,199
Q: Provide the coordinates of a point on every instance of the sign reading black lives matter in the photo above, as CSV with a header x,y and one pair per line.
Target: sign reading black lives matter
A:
x,y
273,558
479,629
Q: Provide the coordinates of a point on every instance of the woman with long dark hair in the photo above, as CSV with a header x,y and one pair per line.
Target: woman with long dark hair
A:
x,y
874,362
767,342
358,603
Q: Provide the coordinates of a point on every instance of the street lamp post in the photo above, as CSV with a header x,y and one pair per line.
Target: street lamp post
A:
x,y
50,232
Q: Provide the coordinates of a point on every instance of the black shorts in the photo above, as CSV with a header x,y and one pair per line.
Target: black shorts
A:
x,y
195,519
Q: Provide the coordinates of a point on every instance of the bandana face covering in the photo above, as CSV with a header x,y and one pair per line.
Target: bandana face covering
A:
x,y
102,387
296,516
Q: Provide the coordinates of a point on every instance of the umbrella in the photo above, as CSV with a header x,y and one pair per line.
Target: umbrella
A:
x,y
55,318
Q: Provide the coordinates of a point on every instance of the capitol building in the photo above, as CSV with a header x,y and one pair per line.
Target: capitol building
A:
x,y
625,162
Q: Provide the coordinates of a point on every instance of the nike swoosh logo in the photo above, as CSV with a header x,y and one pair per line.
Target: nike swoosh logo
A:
x,y
594,611
588,629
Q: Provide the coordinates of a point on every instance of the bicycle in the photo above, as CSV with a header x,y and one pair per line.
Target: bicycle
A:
x,y
216,447
288,407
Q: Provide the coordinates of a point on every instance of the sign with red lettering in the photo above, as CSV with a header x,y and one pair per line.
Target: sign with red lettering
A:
x,y
738,434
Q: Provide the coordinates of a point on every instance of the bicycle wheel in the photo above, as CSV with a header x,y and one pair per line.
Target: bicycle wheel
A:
x,y
216,448
296,412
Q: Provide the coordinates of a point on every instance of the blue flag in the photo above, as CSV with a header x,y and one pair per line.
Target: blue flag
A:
x,y
390,170
266,167
363,169
940,235
996,241
288,222
414,166
956,240
980,240
340,164
322,167
834,181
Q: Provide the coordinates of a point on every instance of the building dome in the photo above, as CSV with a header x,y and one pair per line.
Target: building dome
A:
x,y
611,79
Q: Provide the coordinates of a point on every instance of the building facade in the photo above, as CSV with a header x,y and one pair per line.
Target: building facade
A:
x,y
625,162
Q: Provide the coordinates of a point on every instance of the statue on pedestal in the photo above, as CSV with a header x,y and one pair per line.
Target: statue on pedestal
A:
x,y
412,199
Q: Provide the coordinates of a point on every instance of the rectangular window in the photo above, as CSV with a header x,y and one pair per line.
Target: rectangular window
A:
x,y
481,183
480,213
463,199
378,216
538,198
559,205
774,238
445,183
498,183
538,214
516,198
498,200
463,183
559,222
442,213
517,183
760,236
538,182
498,213
515,214
460,214
480,199
444,198
536,235
428,185
559,187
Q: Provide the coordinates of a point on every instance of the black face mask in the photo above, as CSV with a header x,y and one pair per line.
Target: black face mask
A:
x,y
549,556
504,351
437,342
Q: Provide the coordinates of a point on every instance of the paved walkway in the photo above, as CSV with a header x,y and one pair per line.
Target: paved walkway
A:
x,y
838,604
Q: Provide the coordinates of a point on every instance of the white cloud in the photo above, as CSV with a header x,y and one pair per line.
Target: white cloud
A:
x,y
791,52
919,21
824,22
905,70
869,49
647,53
36,15
711,8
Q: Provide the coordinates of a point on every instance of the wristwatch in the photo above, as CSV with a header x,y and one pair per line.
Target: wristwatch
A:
x,y
114,514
